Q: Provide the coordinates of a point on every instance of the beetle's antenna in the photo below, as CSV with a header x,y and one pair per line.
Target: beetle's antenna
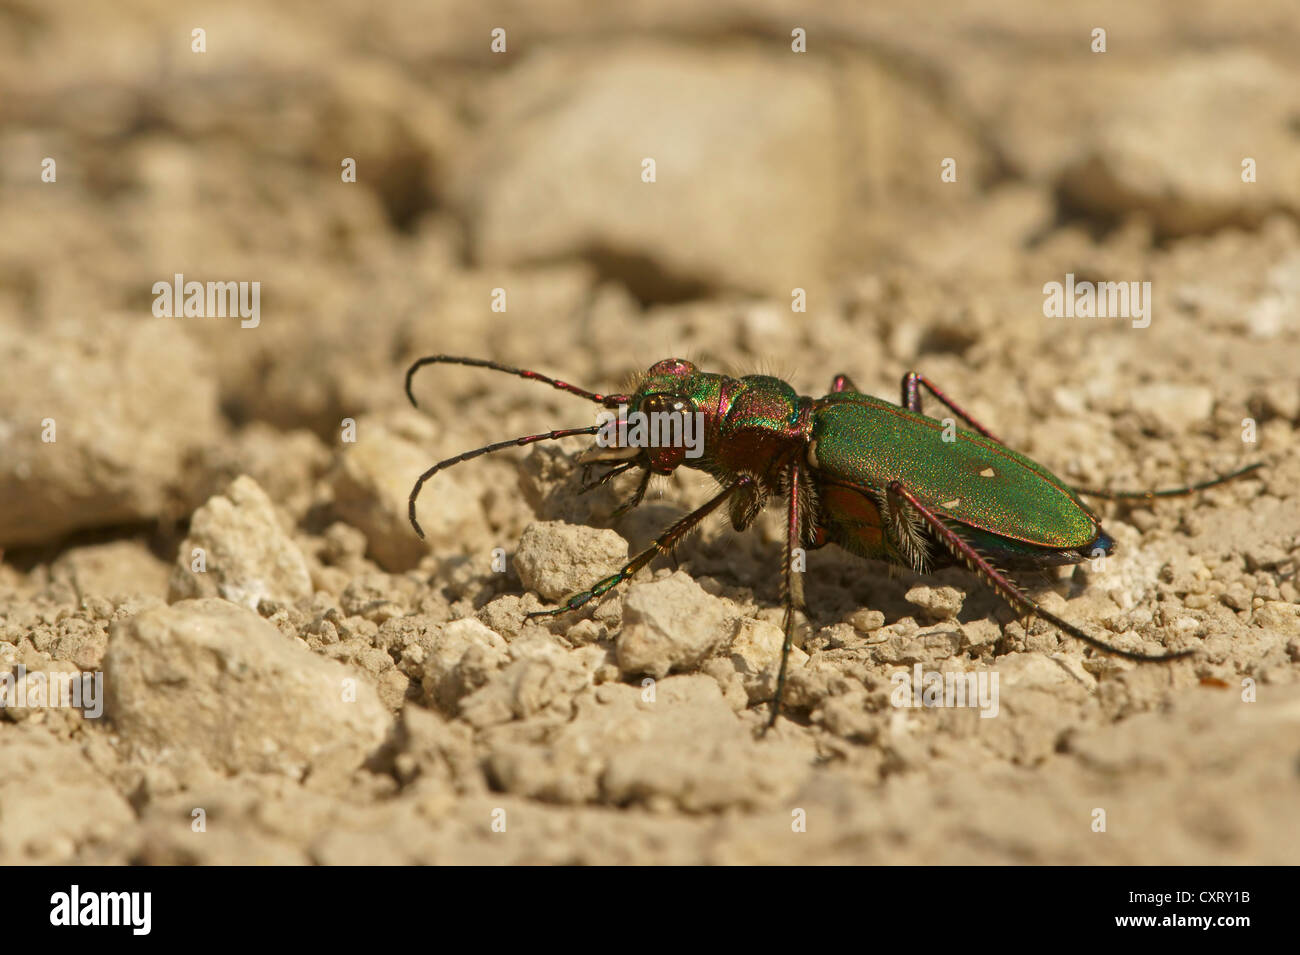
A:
x,y
1172,491
499,446
609,401
1008,591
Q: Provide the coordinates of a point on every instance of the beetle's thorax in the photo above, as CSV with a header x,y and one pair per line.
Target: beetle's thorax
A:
x,y
761,423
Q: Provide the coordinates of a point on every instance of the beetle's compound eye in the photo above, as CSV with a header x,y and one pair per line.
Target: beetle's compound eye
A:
x,y
670,431
667,404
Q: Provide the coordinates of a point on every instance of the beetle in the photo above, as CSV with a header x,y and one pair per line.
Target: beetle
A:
x,y
883,481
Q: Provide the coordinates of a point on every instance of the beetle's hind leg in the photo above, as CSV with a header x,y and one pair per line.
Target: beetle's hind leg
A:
x,y
1181,491
1004,587
914,381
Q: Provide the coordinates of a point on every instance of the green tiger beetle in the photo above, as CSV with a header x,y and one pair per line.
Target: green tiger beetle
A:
x,y
882,481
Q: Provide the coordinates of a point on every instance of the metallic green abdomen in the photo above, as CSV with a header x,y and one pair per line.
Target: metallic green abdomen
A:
x,y
971,480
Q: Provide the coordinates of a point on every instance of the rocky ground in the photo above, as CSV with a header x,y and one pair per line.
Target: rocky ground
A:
x,y
213,517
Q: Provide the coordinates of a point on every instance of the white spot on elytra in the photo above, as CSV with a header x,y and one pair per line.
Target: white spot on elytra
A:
x,y
812,454
949,505
988,472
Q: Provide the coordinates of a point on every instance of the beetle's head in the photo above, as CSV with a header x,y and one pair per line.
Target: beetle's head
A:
x,y
662,426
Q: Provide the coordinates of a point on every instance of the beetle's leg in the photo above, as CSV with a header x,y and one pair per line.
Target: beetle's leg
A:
x,y
588,484
914,381
637,495
793,581
1008,591
664,542
843,383
1171,491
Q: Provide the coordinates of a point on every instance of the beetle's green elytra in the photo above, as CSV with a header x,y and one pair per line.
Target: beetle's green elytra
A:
x,y
882,481
972,480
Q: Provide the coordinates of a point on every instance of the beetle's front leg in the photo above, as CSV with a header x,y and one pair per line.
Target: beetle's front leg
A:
x,y
637,495
590,482
663,543
794,601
